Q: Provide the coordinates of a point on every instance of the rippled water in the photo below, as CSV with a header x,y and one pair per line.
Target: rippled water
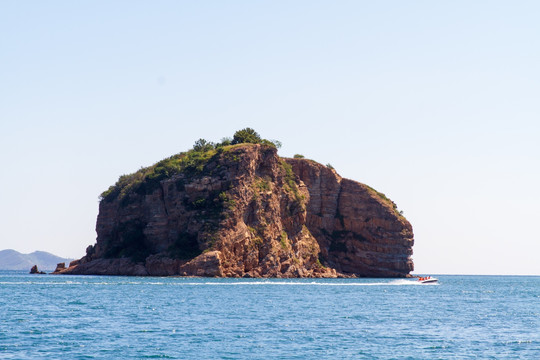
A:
x,y
104,317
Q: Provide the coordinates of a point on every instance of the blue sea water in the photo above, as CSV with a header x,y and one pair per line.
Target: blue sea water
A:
x,y
105,317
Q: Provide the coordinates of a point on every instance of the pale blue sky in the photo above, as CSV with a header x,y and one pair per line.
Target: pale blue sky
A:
x,y
436,104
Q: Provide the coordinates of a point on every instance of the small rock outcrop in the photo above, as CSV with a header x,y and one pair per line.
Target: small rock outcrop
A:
x,y
242,211
35,270
60,267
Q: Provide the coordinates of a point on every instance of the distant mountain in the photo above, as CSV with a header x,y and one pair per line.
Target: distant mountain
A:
x,y
14,260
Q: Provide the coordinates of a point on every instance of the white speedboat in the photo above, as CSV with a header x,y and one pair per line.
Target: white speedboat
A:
x,y
428,280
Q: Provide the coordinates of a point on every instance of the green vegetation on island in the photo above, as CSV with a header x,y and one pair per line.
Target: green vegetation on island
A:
x,y
192,162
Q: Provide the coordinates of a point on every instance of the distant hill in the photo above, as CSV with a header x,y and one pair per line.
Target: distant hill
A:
x,y
14,260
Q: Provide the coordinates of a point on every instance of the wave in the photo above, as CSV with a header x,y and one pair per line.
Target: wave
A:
x,y
228,282
295,283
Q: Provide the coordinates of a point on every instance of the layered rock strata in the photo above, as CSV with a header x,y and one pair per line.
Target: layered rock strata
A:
x,y
246,212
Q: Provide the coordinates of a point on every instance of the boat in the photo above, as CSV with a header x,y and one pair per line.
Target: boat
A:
x,y
428,280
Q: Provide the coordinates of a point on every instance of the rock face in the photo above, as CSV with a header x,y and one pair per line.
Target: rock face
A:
x,y
246,212
358,229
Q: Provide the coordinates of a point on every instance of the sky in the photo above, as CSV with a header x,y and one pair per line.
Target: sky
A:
x,y
436,104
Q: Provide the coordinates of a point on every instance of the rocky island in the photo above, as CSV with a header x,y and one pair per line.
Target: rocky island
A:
x,y
237,209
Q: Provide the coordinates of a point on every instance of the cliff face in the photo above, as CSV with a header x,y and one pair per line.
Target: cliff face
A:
x,y
245,211
358,229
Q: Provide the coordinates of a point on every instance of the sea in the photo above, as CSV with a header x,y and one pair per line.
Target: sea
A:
x,y
108,317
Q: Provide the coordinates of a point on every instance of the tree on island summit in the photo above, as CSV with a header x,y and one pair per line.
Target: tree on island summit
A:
x,y
247,135
250,136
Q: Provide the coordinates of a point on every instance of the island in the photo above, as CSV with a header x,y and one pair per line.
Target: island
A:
x,y
237,209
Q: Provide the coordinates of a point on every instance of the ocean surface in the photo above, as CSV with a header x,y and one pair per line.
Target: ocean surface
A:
x,y
106,317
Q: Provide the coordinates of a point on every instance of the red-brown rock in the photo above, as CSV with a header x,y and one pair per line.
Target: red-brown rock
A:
x,y
249,213
35,270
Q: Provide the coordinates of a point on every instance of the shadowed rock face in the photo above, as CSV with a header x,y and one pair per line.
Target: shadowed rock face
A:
x,y
250,213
